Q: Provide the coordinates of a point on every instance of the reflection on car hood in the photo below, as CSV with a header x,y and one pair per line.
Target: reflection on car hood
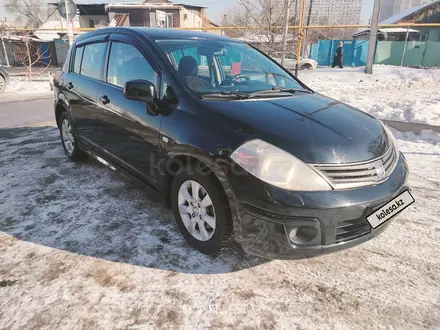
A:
x,y
314,128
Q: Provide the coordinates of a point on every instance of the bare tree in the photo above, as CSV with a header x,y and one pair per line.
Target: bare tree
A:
x,y
265,19
31,13
29,53
332,33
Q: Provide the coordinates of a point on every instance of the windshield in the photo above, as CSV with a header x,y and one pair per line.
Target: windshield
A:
x,y
227,68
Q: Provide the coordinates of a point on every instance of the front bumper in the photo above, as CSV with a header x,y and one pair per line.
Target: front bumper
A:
x,y
264,215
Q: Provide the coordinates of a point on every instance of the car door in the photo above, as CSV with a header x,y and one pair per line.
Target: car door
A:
x,y
131,128
81,86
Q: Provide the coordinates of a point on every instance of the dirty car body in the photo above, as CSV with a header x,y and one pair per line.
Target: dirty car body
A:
x,y
298,172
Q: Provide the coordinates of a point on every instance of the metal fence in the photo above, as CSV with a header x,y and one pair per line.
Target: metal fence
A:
x,y
320,41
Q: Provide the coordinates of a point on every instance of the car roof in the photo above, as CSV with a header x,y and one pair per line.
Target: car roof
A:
x,y
157,33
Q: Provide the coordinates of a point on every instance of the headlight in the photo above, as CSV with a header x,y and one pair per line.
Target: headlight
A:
x,y
277,167
391,137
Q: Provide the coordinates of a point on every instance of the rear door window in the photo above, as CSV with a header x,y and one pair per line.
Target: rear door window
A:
x,y
93,60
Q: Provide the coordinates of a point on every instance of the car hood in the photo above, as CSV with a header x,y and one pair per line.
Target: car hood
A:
x,y
312,127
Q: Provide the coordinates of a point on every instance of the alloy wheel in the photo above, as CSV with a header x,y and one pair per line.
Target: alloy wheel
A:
x,y
196,210
68,138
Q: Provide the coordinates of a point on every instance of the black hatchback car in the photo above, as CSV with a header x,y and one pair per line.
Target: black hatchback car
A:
x,y
239,148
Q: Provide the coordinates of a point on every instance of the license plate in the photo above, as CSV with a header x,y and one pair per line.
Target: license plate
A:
x,y
389,210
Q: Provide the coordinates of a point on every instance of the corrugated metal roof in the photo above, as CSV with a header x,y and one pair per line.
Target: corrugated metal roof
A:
x,y
385,30
396,18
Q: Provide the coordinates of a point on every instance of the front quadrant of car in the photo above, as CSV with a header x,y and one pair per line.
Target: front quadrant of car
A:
x,y
277,223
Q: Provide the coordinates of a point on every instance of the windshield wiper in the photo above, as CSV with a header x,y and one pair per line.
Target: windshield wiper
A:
x,y
224,94
291,90
278,91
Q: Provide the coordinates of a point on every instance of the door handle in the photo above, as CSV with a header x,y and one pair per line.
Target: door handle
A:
x,y
69,85
104,99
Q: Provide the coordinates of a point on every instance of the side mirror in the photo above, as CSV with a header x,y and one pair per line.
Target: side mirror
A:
x,y
140,90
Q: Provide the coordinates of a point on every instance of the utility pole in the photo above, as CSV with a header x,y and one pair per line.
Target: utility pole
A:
x,y
286,30
300,35
373,37
404,48
69,24
308,21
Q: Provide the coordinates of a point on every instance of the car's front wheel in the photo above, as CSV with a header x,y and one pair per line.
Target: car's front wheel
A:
x,y
68,138
201,210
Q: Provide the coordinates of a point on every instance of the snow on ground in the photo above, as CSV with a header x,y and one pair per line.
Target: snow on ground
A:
x,y
21,89
394,93
81,248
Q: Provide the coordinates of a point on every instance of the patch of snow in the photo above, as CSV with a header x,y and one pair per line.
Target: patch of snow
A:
x,y
22,86
19,89
81,248
394,93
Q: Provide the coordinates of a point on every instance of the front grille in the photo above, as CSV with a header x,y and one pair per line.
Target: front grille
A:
x,y
351,229
358,174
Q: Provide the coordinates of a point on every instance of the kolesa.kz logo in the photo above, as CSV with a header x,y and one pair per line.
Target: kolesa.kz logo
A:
x,y
390,209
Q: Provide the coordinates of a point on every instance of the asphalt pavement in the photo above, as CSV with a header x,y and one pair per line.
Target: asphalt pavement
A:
x,y
27,113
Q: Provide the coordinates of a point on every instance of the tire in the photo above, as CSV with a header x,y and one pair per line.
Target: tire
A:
x,y
218,232
307,67
2,84
69,138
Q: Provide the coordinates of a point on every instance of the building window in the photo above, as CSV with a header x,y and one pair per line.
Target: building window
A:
x,y
94,22
161,19
170,21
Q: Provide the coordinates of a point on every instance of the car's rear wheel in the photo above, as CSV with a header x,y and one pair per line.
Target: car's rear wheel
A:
x,y
68,138
201,210
307,67
2,84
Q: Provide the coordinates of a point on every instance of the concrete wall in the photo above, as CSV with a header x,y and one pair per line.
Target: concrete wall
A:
x,y
190,18
141,17
84,21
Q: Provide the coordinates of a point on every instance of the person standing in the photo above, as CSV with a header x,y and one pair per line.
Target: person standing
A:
x,y
339,56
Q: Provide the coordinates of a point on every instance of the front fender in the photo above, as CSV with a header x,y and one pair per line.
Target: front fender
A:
x,y
219,167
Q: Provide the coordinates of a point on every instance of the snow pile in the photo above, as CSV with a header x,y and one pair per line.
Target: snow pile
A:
x,y
20,89
393,93
22,86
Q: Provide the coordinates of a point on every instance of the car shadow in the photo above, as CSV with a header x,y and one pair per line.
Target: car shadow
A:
x,y
87,209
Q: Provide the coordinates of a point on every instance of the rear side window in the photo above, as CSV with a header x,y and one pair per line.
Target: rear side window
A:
x,y
93,60
127,63
78,57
